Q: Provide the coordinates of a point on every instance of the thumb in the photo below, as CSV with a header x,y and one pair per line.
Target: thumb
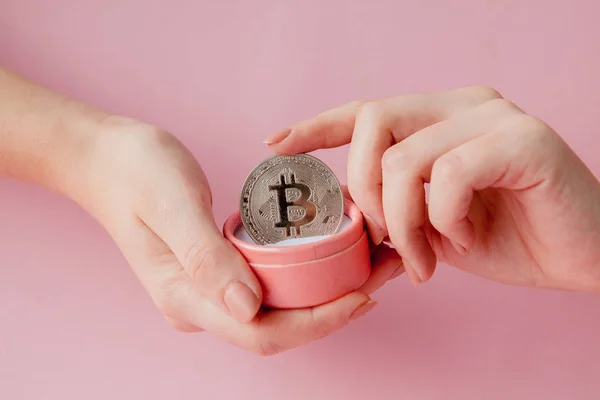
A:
x,y
183,219
220,272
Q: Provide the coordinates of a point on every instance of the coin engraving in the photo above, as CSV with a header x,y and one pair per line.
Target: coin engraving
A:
x,y
286,220
291,196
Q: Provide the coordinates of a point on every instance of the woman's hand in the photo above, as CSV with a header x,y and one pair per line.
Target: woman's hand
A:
x,y
151,195
508,199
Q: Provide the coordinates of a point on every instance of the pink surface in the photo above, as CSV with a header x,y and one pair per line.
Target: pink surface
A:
x,y
310,274
75,324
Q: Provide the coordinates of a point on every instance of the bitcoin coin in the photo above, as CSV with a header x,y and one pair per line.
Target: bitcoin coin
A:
x,y
287,197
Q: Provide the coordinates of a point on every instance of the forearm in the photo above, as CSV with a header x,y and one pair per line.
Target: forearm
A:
x,y
45,138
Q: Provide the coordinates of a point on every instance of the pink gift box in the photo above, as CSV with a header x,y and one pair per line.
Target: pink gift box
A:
x,y
308,274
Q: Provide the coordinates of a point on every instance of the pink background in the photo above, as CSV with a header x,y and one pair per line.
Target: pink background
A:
x,y
221,75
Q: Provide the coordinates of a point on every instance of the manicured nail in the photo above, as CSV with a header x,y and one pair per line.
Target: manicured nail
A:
x,y
277,137
376,233
399,271
241,301
462,250
362,310
412,273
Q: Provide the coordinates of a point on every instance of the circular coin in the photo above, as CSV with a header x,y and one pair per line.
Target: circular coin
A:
x,y
288,197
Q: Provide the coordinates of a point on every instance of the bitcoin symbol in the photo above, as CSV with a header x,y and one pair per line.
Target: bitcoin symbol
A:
x,y
287,197
310,209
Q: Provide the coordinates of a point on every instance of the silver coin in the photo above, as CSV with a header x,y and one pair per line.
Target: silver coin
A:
x,y
288,197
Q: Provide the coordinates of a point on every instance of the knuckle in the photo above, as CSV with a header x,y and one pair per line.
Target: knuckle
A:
x,y
445,174
531,130
134,136
447,168
370,110
535,132
357,104
397,158
151,137
534,126
503,106
143,139
198,259
483,92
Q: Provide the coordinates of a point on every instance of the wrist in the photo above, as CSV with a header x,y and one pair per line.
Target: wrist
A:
x,y
45,138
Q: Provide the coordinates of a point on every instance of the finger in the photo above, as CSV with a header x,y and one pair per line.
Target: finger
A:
x,y
381,124
181,215
283,330
276,331
481,163
404,208
386,265
372,246
328,129
373,127
407,167
346,192
268,333
377,125
157,269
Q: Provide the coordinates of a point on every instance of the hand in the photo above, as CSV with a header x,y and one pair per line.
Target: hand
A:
x,y
508,199
151,195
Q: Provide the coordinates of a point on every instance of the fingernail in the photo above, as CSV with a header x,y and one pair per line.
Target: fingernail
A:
x,y
462,250
362,310
241,301
277,137
376,233
399,271
412,273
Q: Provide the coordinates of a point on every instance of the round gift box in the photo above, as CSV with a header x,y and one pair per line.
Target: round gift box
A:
x,y
308,274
